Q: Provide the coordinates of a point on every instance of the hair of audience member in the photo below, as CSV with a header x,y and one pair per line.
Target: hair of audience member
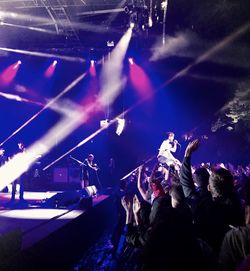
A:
x,y
221,183
144,212
201,177
158,208
177,195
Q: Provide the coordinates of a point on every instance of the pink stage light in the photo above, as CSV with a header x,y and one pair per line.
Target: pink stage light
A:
x,y
9,73
92,69
51,69
140,80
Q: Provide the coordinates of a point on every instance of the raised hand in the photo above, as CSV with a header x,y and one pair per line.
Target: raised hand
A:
x,y
192,146
136,205
126,203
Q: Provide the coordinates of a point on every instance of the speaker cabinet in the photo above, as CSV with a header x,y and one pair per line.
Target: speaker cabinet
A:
x,y
60,175
74,174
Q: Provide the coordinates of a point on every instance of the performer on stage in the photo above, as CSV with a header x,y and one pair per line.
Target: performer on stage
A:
x,y
19,180
89,172
168,147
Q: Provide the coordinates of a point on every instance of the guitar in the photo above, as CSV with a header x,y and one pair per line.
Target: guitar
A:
x,y
94,167
78,161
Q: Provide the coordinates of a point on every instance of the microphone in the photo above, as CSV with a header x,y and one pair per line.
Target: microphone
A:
x,y
176,142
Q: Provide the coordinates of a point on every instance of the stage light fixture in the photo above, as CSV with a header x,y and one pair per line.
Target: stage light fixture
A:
x,y
104,123
120,126
18,63
131,61
132,25
110,43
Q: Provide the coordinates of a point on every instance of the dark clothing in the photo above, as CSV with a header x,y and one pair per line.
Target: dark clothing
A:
x,y
3,160
235,249
19,181
171,244
212,216
88,173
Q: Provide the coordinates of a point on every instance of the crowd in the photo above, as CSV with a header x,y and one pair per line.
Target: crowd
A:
x,y
195,218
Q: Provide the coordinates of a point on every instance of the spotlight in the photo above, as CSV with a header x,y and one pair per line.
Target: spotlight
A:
x,y
54,62
92,62
18,63
131,61
164,4
110,43
120,126
132,25
104,123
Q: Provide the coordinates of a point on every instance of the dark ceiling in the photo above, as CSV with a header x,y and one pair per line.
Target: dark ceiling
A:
x,y
79,23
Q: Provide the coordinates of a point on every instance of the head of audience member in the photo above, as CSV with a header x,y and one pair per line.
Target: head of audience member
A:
x,y
201,177
170,136
177,195
158,208
144,212
221,183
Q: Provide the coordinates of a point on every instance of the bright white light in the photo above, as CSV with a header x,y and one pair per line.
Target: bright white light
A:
x,y
120,126
92,62
18,63
38,213
132,25
131,61
112,79
150,21
54,62
104,123
164,4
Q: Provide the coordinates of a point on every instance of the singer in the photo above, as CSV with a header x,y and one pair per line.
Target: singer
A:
x,y
165,155
89,172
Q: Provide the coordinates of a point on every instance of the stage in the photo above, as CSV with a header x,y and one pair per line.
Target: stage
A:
x,y
39,237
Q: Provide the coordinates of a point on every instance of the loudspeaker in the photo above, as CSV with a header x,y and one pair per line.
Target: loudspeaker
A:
x,y
91,190
60,175
63,199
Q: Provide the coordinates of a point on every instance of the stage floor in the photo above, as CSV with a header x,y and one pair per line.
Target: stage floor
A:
x,y
34,221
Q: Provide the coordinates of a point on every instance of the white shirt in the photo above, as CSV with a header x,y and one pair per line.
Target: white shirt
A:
x,y
165,150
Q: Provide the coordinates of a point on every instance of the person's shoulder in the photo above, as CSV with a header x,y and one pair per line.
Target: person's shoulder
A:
x,y
238,233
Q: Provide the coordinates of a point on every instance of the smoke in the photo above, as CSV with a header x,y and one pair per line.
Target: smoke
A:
x,y
189,44
173,45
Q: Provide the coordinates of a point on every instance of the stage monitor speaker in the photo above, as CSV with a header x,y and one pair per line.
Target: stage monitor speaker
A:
x,y
60,175
91,190
63,199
